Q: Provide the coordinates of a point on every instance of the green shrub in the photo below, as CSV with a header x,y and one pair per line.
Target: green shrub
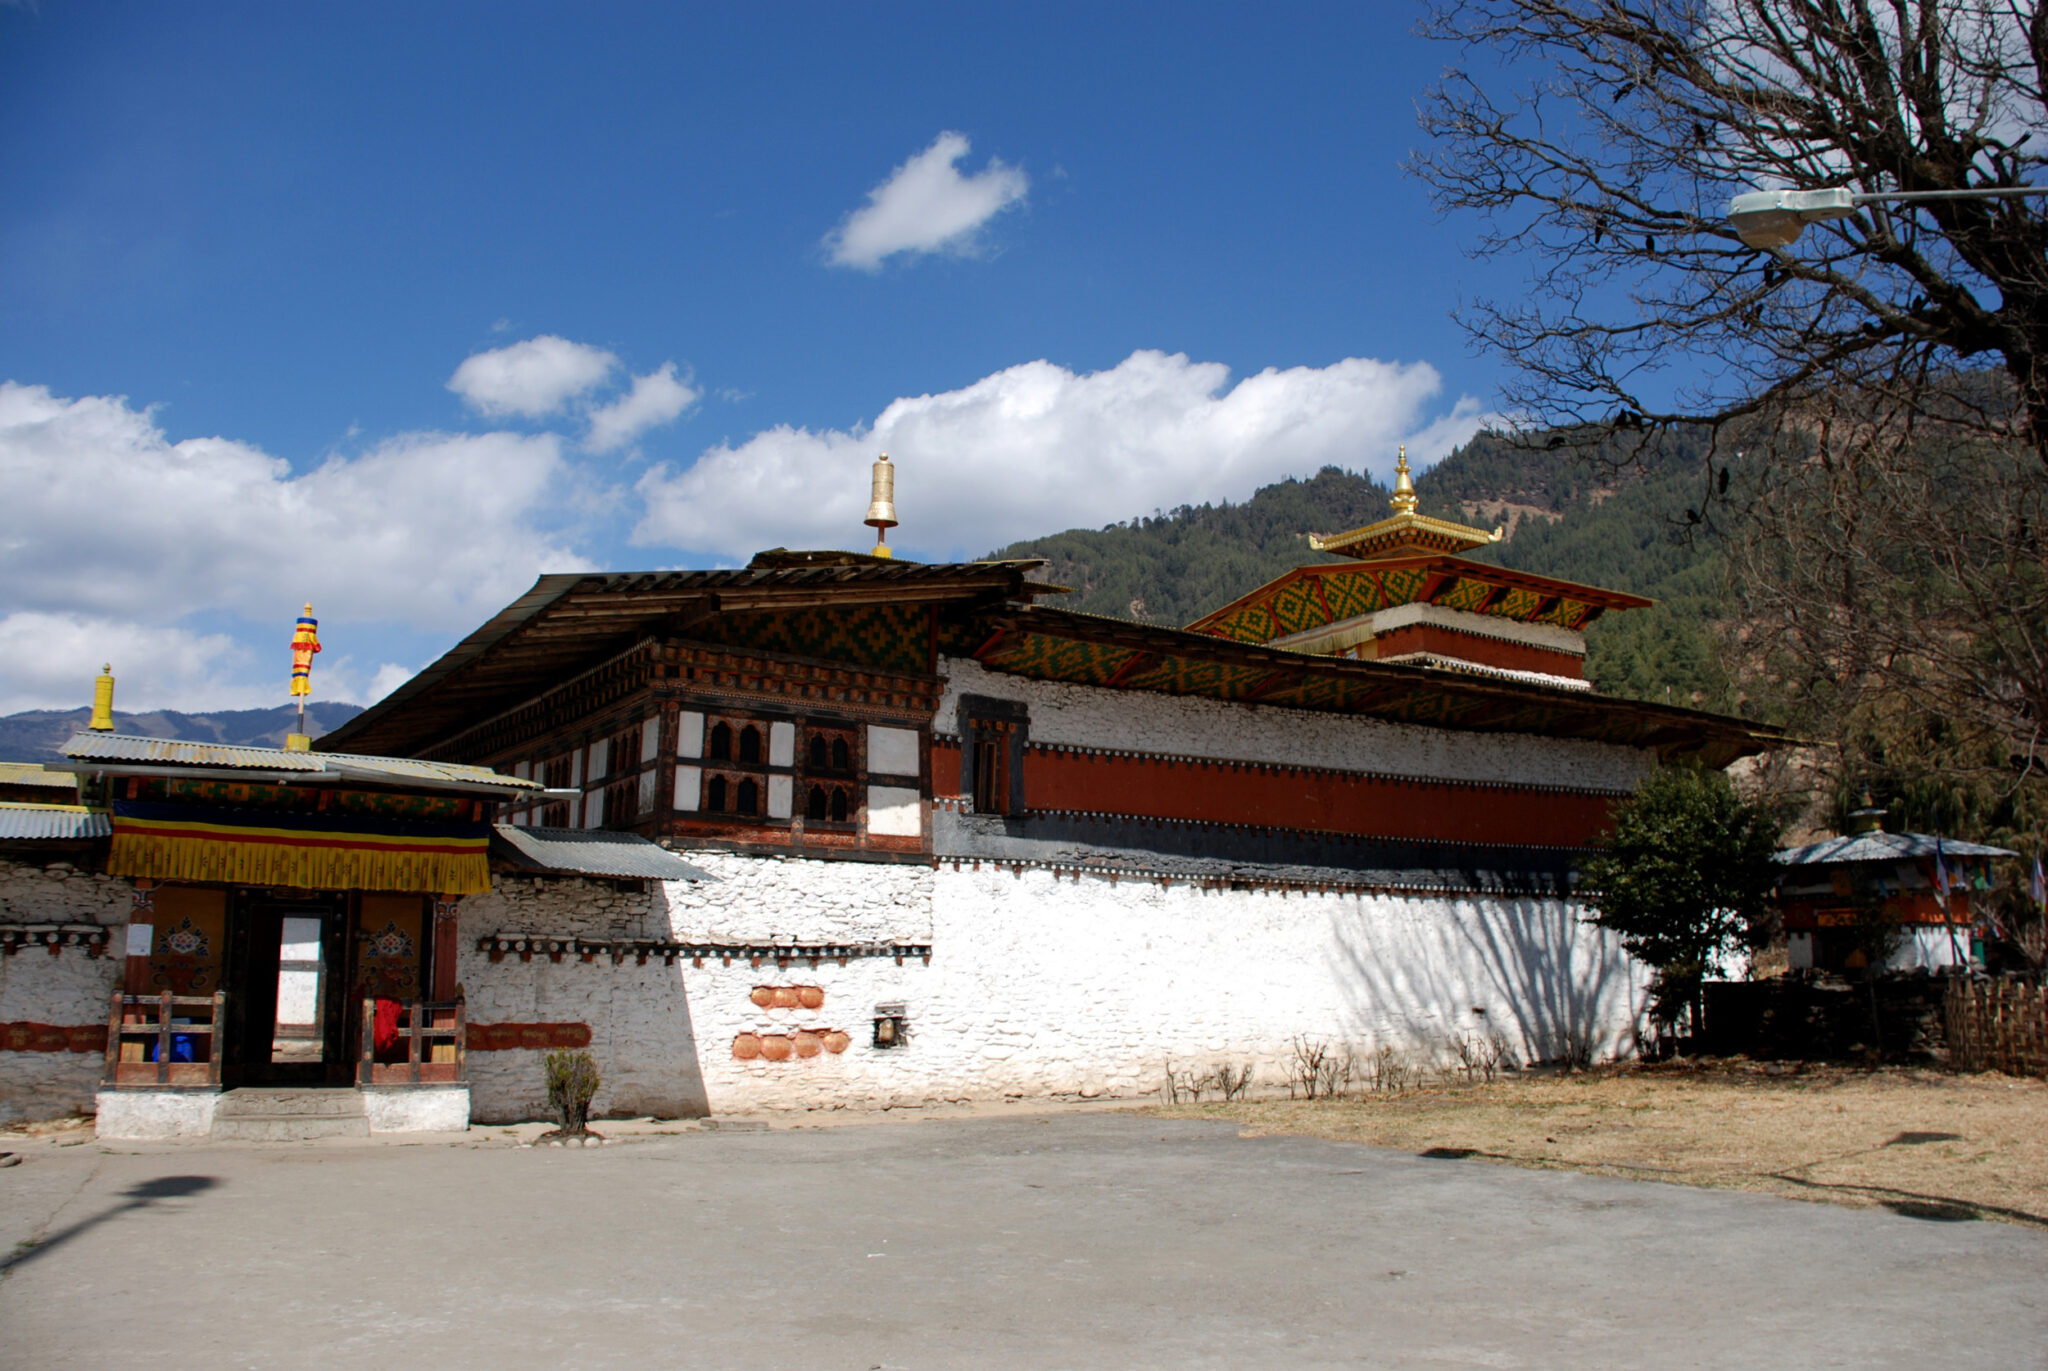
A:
x,y
572,1084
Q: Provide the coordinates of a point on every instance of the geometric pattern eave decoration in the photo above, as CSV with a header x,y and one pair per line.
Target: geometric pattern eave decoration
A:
x,y
887,637
1313,597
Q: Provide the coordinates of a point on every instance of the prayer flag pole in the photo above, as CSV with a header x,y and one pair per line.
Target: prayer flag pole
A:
x,y
305,642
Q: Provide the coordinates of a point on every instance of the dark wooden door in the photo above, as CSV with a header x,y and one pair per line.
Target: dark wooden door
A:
x,y
288,1024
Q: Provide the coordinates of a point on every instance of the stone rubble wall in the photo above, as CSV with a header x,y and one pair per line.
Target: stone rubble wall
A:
x,y
1038,985
1138,721
69,990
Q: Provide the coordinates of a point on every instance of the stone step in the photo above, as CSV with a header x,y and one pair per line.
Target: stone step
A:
x,y
289,1114
289,1127
289,1102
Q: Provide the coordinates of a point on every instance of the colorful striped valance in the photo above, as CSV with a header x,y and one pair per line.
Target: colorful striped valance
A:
x,y
304,851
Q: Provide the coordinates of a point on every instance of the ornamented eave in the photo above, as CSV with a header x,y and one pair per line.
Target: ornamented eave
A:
x,y
527,946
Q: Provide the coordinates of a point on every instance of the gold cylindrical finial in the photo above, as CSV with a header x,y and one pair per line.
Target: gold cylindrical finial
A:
x,y
103,701
1404,486
882,508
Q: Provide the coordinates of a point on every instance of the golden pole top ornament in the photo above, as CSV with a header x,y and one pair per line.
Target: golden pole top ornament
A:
x,y
1404,486
103,701
882,508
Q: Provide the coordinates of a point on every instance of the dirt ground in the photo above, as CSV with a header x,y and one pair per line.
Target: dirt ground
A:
x,y
1918,1142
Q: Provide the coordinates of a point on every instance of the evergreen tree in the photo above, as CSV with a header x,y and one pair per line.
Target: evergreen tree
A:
x,y
1684,874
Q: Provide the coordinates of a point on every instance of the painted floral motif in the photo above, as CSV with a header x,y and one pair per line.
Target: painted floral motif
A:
x,y
391,942
187,941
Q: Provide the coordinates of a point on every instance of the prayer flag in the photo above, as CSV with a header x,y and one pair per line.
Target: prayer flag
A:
x,y
2039,886
305,642
1941,877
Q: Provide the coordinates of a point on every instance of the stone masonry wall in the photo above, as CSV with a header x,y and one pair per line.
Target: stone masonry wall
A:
x,y
1037,985
68,990
1138,721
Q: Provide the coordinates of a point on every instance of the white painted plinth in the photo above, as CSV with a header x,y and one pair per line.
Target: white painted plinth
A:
x,y
146,1114
417,1108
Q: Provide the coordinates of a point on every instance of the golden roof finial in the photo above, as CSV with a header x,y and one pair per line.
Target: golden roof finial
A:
x,y
1404,487
882,508
103,701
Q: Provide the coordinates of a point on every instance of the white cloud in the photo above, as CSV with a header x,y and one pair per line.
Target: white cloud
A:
x,y
655,399
1037,448
532,379
50,661
116,533
390,676
926,206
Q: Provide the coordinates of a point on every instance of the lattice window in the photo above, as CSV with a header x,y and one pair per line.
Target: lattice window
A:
x,y
992,736
992,768
832,803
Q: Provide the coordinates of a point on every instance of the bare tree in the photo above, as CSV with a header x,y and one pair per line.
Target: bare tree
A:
x,y
1894,592
1887,372
1610,170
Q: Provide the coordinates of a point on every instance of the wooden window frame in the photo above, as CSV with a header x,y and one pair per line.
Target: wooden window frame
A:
x,y
993,734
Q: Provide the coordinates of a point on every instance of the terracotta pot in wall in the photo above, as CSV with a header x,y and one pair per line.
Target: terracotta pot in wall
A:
x,y
836,1041
764,995
747,1046
785,997
775,1047
810,996
808,1045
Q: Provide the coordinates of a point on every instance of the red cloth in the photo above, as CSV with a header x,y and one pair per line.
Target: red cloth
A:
x,y
384,1032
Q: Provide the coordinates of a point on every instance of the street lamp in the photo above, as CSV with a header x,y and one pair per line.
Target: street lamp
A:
x,y
1773,218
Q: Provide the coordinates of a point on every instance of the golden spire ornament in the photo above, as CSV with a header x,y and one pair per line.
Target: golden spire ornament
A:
x,y
882,508
1404,485
103,701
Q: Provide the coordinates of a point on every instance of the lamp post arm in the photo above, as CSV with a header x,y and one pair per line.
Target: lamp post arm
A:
x,y
1987,193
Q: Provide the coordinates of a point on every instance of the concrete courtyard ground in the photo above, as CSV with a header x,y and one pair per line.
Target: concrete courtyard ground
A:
x,y
1081,1239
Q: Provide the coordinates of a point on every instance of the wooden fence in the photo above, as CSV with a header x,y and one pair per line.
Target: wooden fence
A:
x,y
1997,1026
436,1045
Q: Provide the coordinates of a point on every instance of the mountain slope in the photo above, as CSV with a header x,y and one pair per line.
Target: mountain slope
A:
x,y
35,735
1619,529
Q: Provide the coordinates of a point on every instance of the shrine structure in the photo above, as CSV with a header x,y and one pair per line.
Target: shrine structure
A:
x,y
1902,897
972,845
839,828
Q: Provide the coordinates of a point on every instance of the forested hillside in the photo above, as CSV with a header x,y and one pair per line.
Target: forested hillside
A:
x,y
1623,529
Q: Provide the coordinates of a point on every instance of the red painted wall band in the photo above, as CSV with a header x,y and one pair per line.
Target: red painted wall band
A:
x,y
1316,801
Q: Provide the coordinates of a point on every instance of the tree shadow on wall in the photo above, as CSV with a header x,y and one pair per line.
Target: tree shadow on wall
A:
x,y
1533,974
670,1086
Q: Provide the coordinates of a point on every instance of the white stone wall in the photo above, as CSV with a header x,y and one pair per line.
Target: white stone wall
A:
x,y
1140,721
1037,985
69,989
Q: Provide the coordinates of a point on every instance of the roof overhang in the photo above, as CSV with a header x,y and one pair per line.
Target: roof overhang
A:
x,y
568,623
594,852
1086,649
117,754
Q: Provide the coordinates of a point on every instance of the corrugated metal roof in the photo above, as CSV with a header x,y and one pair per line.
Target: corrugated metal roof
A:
x,y
46,823
127,747
593,852
401,769
123,748
35,773
1884,847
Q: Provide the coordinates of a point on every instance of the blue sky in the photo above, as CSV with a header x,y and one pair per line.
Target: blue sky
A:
x,y
394,307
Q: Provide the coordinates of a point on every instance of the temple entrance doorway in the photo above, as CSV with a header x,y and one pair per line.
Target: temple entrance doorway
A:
x,y
289,1022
